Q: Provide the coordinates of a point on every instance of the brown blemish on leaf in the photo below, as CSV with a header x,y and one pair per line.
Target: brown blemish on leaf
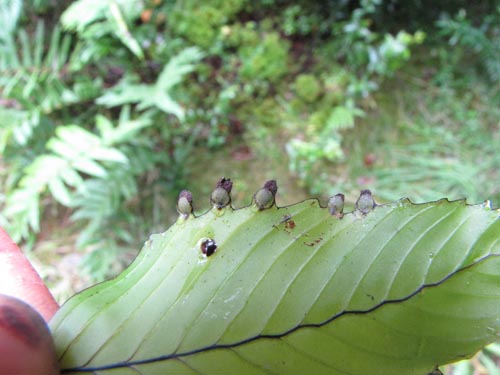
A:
x,y
290,224
315,242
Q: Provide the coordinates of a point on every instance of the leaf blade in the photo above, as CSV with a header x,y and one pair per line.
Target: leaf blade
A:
x,y
275,290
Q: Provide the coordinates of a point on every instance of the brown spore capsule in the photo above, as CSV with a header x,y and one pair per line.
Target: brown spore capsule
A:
x,y
336,205
208,247
265,197
185,203
221,196
365,202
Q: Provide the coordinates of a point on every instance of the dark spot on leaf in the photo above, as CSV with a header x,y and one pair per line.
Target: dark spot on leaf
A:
x,y
290,224
314,242
208,247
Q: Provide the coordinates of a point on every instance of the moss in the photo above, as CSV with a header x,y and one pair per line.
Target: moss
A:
x,y
201,24
267,61
307,87
241,36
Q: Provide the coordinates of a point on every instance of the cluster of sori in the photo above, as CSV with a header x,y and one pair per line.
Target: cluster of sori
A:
x,y
265,198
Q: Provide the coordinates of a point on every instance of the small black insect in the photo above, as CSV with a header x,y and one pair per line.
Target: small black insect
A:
x,y
208,247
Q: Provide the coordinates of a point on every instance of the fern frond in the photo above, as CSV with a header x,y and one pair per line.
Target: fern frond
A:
x,y
83,13
75,153
156,95
10,11
110,16
33,78
23,205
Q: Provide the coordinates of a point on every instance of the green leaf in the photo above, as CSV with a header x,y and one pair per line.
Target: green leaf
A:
x,y
490,365
60,192
83,13
90,167
294,290
340,118
178,66
156,95
107,154
10,11
126,130
125,92
77,137
122,30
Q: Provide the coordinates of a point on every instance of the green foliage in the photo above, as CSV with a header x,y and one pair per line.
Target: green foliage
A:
x,y
371,57
155,95
32,78
200,24
486,360
100,23
83,156
443,141
73,153
480,40
106,107
265,61
307,87
320,142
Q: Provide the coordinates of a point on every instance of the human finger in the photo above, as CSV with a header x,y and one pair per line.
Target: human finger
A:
x,y
19,279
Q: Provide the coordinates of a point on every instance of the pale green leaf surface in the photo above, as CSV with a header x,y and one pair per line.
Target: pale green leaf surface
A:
x,y
83,13
122,30
60,192
77,137
397,291
90,167
107,154
178,66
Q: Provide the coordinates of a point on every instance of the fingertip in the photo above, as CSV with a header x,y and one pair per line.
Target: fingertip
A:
x,y
26,345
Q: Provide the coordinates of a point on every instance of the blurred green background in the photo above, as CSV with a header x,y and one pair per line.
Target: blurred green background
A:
x,y
108,108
